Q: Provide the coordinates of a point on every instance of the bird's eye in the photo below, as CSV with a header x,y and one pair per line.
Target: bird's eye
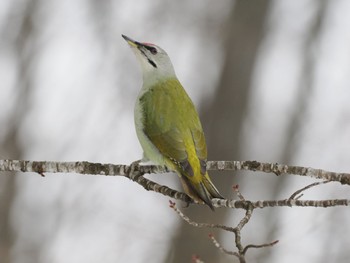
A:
x,y
153,50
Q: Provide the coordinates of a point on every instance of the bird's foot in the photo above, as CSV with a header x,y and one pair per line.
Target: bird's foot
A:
x,y
133,170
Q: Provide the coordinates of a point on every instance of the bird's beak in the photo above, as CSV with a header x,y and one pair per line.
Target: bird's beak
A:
x,y
132,42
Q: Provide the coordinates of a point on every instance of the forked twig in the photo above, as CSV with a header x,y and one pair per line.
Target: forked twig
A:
x,y
298,194
236,230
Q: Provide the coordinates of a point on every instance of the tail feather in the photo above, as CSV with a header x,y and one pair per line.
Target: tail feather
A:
x,y
202,192
214,193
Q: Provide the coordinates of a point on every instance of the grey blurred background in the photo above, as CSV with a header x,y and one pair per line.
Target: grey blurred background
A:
x,y
270,80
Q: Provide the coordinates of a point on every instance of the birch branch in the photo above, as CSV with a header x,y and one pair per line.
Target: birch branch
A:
x,y
122,170
135,172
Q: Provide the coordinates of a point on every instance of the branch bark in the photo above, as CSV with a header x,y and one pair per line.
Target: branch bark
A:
x,y
135,172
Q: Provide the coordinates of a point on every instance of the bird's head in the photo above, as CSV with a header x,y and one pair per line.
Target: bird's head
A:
x,y
154,61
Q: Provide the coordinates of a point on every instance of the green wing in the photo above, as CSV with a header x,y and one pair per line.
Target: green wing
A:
x,y
172,124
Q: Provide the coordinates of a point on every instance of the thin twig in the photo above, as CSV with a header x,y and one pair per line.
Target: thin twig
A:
x,y
196,224
238,193
260,246
236,230
241,224
221,248
297,194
